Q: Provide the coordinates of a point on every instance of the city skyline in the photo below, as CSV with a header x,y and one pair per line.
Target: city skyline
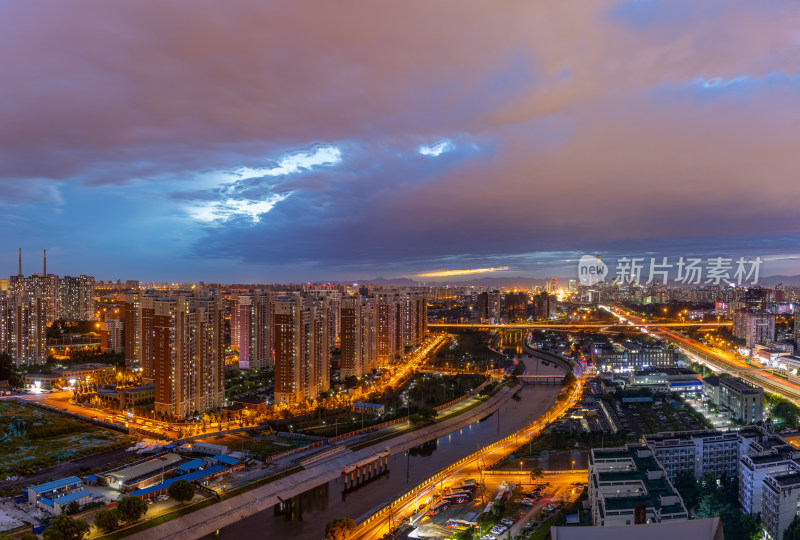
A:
x,y
222,145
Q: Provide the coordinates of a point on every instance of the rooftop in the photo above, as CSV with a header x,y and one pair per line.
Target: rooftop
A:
x,y
710,528
740,385
226,460
148,467
191,477
367,405
192,464
56,484
72,496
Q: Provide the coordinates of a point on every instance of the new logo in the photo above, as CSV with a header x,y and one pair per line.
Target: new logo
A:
x,y
591,270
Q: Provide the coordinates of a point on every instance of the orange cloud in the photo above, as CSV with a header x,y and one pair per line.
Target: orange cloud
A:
x,y
466,272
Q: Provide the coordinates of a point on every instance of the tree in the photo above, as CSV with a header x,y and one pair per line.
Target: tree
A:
x,y
64,527
73,507
466,534
107,520
788,412
536,473
181,491
132,508
339,528
792,532
28,536
688,489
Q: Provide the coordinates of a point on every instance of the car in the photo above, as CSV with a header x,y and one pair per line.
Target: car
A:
x,y
498,529
507,521
528,502
488,537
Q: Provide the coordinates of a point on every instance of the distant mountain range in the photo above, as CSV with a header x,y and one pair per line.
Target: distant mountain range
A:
x,y
498,282
528,282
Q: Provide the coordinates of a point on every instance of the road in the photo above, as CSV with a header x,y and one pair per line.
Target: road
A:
x,y
470,467
62,400
718,359
572,326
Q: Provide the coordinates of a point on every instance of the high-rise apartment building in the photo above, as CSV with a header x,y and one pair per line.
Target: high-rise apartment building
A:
x,y
489,306
301,347
756,327
111,332
23,328
76,298
129,305
250,329
188,355
516,304
358,338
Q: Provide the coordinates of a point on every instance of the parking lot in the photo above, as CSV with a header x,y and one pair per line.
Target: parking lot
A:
x,y
528,505
638,418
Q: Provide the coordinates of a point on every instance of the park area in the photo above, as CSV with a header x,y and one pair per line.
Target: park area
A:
x,y
32,438
257,442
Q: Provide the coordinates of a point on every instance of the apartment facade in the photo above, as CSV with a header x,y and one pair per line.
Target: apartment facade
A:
x,y
702,451
188,359
301,347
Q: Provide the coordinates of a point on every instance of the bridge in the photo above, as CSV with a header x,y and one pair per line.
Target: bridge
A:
x,y
540,379
573,326
564,363
365,470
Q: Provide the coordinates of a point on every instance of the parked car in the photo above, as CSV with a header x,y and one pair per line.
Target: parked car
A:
x,y
498,529
507,521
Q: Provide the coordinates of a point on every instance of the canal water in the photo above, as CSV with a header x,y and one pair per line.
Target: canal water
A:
x,y
304,517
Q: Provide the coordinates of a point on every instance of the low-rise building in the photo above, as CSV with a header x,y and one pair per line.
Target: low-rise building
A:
x,y
142,474
58,505
54,489
681,380
743,400
628,485
376,409
631,356
42,381
779,502
711,389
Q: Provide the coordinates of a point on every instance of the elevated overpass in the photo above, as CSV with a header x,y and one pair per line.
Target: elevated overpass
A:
x,y
564,363
573,326
540,379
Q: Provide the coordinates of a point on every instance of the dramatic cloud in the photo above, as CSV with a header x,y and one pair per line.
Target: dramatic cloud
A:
x,y
436,149
449,273
286,140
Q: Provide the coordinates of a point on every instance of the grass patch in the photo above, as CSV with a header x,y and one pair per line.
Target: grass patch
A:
x,y
33,438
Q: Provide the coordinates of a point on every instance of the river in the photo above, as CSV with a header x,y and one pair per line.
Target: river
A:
x,y
304,517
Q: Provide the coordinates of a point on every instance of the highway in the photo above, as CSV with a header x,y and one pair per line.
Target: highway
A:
x,y
572,326
471,466
717,359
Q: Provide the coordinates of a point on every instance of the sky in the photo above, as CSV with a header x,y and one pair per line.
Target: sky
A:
x,y
267,141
